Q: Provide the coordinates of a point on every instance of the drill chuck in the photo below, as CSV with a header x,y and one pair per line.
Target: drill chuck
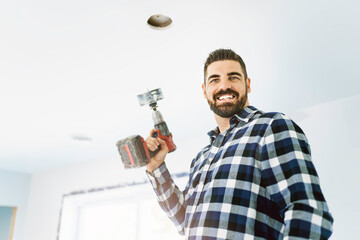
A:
x,y
157,117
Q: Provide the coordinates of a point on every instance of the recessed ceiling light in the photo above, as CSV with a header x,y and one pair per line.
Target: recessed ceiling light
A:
x,y
159,21
81,138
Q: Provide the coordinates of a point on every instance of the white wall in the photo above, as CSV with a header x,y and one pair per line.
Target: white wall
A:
x,y
325,125
48,188
15,188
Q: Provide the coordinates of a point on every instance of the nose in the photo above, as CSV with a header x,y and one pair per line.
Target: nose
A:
x,y
224,84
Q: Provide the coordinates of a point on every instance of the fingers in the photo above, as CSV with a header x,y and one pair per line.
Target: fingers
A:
x,y
152,143
159,158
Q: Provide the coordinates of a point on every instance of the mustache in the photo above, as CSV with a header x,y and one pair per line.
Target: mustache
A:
x,y
223,92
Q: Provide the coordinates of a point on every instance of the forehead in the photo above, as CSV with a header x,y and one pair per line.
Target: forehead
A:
x,y
223,67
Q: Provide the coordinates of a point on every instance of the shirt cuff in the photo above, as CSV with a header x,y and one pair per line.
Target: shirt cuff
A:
x,y
159,175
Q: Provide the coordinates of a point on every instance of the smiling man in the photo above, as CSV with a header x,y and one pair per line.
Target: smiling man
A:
x,y
255,180
225,87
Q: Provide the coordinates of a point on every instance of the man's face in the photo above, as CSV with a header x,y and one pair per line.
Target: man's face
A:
x,y
226,88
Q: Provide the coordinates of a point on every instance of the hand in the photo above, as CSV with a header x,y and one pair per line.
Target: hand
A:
x,y
159,158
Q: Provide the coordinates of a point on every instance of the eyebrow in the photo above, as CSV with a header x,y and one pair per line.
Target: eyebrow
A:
x,y
234,73
229,74
213,76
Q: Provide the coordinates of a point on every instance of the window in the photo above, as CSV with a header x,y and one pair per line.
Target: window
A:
x,y
7,221
127,212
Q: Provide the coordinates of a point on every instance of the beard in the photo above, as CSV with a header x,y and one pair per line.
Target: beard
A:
x,y
229,109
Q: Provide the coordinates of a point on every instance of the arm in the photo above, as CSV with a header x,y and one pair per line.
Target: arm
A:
x,y
291,179
169,197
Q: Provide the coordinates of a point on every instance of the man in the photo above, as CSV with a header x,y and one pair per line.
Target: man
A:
x,y
254,181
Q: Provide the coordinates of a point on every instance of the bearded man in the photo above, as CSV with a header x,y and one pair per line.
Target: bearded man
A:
x,y
255,180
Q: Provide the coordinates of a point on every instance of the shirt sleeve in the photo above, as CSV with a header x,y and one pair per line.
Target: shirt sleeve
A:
x,y
169,197
292,181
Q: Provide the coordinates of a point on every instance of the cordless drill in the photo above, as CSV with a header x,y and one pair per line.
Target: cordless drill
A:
x,y
133,149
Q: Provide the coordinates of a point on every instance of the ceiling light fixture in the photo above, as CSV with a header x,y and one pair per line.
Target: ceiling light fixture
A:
x,y
159,21
81,138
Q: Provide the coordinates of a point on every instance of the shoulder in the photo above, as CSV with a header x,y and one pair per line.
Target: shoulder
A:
x,y
282,130
266,119
275,118
271,115
277,122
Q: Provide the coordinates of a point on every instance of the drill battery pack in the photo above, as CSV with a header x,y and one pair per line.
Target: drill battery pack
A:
x,y
133,152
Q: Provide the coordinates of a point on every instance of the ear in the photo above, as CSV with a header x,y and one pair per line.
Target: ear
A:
x,y
204,90
248,81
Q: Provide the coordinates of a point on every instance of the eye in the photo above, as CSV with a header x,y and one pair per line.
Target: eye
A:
x,y
234,78
213,80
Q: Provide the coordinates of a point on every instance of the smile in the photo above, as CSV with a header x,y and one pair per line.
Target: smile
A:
x,y
226,97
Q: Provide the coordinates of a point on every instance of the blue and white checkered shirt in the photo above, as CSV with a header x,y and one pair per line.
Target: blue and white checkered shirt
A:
x,y
254,181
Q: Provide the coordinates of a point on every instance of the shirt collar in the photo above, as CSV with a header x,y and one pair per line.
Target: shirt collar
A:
x,y
243,116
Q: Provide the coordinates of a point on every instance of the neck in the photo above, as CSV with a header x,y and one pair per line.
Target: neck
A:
x,y
223,123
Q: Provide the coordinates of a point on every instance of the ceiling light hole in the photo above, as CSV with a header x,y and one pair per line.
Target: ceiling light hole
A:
x,y
159,21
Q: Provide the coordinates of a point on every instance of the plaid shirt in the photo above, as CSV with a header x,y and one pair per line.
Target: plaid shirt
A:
x,y
254,181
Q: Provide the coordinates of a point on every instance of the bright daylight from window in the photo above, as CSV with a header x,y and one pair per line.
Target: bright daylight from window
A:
x,y
130,213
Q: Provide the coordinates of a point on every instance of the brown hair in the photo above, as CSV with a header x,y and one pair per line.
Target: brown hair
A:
x,y
224,54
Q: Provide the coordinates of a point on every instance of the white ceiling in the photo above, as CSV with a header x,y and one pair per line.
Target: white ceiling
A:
x,y
74,68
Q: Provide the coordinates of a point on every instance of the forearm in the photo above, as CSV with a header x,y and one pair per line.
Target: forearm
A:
x,y
170,198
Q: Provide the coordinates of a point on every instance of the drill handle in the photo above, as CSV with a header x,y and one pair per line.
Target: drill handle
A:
x,y
155,135
167,138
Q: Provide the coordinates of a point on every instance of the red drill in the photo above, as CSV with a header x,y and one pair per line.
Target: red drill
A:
x,y
133,150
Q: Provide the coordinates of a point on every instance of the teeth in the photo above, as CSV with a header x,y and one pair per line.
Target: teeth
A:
x,y
226,97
